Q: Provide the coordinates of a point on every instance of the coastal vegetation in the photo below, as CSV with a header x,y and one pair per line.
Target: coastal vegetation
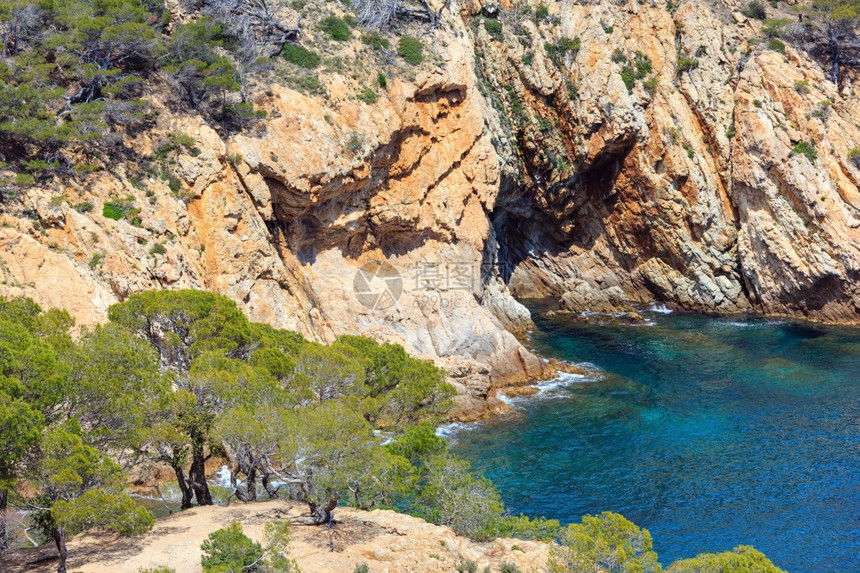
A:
x,y
177,377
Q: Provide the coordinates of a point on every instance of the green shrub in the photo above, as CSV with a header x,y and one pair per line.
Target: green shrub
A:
x,y
24,179
686,64
376,41
466,566
174,183
157,249
776,45
572,89
561,48
368,96
618,56
542,12
758,103
494,29
410,50
336,28
628,75
650,85
509,567
381,80
113,211
755,10
643,65
361,568
801,86
161,569
96,260
301,56
354,143
854,156
774,28
741,558
307,83
229,549
84,207
806,149
602,539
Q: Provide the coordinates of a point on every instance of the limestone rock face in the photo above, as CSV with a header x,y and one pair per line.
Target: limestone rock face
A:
x,y
659,157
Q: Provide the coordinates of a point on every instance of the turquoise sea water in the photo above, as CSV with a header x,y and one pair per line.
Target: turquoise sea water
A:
x,y
709,432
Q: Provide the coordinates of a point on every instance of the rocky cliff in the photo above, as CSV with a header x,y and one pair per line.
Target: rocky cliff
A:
x,y
607,154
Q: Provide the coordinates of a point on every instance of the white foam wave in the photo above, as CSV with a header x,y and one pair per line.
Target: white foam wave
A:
x,y
448,431
659,308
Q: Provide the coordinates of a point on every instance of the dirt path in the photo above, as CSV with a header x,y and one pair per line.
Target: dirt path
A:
x,y
388,542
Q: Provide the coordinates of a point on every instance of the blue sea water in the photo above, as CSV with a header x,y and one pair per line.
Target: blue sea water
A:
x,y
709,432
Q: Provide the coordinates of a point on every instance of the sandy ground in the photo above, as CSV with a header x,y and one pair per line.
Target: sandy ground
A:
x,y
388,542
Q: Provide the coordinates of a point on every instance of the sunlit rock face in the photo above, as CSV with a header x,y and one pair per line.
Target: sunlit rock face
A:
x,y
498,168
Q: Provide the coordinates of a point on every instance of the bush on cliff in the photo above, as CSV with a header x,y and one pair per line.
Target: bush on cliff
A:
x,y
741,559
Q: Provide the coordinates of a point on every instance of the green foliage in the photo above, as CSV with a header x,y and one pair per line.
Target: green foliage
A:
x,y
159,569
542,12
376,41
807,149
509,567
741,559
119,209
361,568
410,50
838,10
83,207
686,64
619,57
329,447
628,76
229,550
24,179
755,10
650,85
854,156
83,488
336,28
368,96
643,65
381,80
466,566
401,389
801,86
417,444
776,45
607,542
157,249
301,56
523,527
184,324
560,49
774,27
451,495
494,29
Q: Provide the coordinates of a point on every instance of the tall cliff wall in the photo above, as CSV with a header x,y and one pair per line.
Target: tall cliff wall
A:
x,y
514,161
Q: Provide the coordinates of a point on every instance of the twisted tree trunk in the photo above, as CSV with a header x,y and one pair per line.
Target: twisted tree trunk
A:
x,y
4,501
62,553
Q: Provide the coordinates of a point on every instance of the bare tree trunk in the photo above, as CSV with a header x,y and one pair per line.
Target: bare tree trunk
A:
x,y
187,494
234,484
197,476
4,501
60,540
270,489
320,514
251,482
